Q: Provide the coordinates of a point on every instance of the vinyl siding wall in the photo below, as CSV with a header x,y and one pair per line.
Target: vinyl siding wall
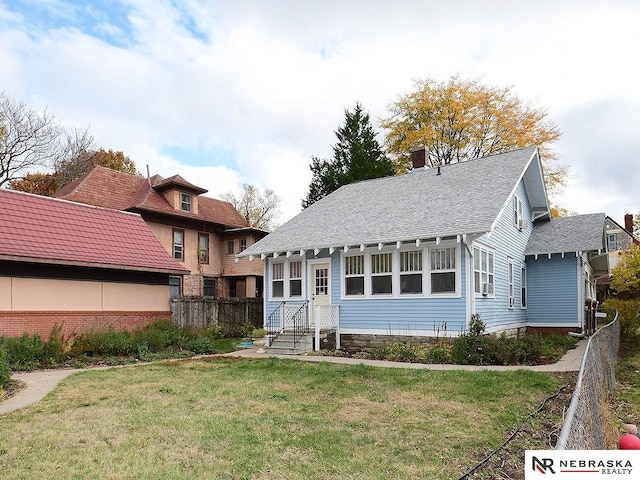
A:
x,y
506,241
553,291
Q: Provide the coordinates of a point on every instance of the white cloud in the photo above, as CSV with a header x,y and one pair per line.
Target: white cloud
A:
x,y
269,81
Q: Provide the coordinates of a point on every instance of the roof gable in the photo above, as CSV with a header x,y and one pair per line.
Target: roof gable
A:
x,y
465,198
42,229
122,191
580,233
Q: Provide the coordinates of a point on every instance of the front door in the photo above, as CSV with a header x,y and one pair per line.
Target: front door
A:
x,y
319,287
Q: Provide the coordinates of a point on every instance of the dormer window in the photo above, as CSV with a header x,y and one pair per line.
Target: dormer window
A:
x,y
185,202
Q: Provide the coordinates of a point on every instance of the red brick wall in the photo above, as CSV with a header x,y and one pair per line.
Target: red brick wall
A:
x,y
14,324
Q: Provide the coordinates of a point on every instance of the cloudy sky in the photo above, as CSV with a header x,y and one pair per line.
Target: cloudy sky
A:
x,y
246,91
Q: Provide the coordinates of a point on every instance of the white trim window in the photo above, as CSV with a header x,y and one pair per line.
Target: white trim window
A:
x,y
277,280
382,273
411,272
407,272
295,278
517,211
523,286
510,282
354,275
287,279
612,242
483,273
443,270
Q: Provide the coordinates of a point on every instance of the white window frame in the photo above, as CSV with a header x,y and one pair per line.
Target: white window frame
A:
x,y
411,268
510,283
386,262
426,272
296,276
433,270
613,235
348,273
518,210
287,278
523,286
484,275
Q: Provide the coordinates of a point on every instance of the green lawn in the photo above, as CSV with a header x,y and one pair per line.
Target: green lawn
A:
x,y
266,419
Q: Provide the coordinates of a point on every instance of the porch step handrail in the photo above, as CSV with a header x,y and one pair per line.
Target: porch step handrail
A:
x,y
275,323
300,323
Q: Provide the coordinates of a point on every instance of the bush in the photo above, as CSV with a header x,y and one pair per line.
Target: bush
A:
x,y
163,334
5,371
628,315
25,352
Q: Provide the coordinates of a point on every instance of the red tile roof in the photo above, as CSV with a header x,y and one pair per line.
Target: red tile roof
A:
x,y
42,229
121,191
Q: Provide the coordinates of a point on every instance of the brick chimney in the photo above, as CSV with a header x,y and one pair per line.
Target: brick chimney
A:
x,y
628,223
418,157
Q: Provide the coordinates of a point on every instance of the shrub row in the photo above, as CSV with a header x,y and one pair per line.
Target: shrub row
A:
x,y
471,349
29,352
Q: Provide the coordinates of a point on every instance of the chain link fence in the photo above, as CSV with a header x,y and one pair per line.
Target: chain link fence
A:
x,y
584,428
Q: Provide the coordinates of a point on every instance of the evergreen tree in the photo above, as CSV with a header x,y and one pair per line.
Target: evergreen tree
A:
x,y
357,156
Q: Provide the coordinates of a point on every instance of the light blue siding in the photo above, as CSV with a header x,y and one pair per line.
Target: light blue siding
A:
x,y
507,241
400,316
553,290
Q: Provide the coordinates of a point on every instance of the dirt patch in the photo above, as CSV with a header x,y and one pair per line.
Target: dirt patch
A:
x,y
11,388
539,432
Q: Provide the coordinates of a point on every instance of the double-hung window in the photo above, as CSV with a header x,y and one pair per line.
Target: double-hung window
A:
x,y
612,242
483,276
295,279
277,280
287,279
517,211
382,273
411,272
354,275
443,270
185,202
203,248
178,244
243,244
510,282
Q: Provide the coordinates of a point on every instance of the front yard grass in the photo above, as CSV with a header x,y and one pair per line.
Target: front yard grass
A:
x,y
267,419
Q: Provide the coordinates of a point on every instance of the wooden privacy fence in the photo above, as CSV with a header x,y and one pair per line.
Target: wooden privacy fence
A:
x,y
229,314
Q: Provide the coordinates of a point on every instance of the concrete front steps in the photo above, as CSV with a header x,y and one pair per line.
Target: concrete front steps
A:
x,y
283,345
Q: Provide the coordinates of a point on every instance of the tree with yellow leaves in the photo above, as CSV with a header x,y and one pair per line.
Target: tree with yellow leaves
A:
x,y
458,120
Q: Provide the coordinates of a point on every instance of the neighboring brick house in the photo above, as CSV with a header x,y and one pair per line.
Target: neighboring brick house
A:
x,y
202,233
79,267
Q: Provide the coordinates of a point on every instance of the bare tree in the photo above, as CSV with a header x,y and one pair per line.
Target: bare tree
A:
x,y
261,209
30,138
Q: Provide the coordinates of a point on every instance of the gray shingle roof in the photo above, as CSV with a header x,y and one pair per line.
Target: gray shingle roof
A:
x,y
580,233
466,198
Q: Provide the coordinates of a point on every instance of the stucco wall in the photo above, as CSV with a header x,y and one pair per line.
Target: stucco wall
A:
x,y
34,306
34,294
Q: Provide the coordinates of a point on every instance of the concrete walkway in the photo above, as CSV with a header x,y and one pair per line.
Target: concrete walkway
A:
x,y
40,383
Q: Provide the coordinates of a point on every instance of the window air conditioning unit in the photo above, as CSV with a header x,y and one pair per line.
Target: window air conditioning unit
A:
x,y
487,289
522,223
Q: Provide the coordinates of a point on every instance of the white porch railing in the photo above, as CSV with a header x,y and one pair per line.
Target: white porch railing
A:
x,y
326,317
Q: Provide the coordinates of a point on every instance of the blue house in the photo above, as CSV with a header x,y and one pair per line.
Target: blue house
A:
x,y
412,257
